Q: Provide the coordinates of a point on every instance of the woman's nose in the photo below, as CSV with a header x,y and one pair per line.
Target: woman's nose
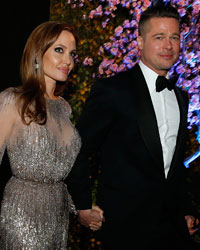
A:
x,y
67,60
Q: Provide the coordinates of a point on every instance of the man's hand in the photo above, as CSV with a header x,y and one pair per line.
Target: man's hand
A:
x,y
192,224
92,218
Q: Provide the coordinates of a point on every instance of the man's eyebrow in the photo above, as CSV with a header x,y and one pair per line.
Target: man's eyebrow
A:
x,y
162,34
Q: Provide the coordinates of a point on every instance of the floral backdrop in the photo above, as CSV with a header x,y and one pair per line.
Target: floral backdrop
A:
x,y
107,31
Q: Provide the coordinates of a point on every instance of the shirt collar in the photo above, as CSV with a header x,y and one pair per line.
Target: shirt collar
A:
x,y
150,76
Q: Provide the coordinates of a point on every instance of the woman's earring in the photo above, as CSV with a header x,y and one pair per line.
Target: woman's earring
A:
x,y
36,66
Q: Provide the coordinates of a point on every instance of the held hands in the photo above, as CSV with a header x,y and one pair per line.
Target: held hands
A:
x,y
192,224
97,225
92,218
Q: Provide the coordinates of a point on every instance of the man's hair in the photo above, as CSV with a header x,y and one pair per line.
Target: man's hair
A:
x,y
158,10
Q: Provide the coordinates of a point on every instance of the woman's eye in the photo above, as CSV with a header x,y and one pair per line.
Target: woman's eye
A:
x,y
59,50
73,54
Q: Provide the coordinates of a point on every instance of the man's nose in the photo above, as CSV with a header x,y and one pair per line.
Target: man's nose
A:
x,y
168,43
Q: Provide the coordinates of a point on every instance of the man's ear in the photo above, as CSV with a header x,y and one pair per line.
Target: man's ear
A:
x,y
140,42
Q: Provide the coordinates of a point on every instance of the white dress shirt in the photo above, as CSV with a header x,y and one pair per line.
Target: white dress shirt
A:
x,y
167,114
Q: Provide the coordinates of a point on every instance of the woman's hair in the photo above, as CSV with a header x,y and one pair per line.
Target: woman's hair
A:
x,y
31,101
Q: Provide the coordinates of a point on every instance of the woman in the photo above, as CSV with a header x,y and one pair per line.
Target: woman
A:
x,y
41,141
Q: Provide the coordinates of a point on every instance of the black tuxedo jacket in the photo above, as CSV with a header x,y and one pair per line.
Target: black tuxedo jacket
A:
x,y
119,122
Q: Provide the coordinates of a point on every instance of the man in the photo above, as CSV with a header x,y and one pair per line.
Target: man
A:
x,y
140,132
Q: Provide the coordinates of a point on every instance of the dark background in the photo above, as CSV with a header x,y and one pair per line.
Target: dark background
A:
x,y
18,19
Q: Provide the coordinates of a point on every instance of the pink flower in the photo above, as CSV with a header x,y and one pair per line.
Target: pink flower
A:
x,y
88,61
118,30
114,51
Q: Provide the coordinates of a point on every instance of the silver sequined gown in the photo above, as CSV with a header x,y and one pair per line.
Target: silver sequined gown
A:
x,y
36,204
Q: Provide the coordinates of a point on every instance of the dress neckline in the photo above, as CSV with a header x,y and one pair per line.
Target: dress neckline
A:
x,y
53,100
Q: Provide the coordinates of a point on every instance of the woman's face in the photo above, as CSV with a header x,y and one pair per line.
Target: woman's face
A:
x,y
58,60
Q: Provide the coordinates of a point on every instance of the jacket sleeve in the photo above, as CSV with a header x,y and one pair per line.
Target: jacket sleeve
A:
x,y
93,125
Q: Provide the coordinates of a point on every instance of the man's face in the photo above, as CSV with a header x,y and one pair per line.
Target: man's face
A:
x,y
160,43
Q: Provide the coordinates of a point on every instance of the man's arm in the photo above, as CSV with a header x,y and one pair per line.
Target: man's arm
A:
x,y
92,125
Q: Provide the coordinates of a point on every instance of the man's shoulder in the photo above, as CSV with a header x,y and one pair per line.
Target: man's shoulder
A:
x,y
119,79
183,93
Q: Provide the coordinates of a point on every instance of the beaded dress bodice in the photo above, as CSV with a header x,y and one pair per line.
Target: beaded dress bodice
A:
x,y
34,211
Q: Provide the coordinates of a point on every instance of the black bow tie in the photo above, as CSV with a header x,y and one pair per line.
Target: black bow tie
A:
x,y
162,83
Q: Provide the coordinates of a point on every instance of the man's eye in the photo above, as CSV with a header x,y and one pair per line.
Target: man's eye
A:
x,y
159,38
59,50
176,38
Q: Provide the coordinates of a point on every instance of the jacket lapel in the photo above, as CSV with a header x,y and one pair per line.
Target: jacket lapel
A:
x,y
146,116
